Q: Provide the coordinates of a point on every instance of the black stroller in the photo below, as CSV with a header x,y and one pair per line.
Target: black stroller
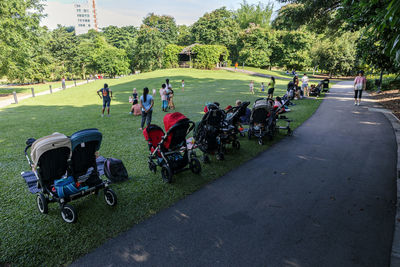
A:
x,y
208,131
61,176
262,120
316,90
230,127
325,85
170,150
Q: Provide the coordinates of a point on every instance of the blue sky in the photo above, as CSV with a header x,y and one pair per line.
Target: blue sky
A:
x,y
131,12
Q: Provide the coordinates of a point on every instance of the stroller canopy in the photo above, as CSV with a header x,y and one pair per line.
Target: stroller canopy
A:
x,y
153,134
172,119
262,103
50,142
84,136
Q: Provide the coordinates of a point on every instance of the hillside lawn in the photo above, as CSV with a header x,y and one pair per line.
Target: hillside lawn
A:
x,y
29,238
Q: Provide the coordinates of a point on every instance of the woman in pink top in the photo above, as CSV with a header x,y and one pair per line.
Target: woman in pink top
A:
x,y
360,84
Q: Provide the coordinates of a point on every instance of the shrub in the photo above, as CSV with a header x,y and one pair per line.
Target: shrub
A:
x,y
171,56
207,56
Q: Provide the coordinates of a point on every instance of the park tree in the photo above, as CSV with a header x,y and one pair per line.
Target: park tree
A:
x,y
19,37
164,24
217,27
381,17
184,36
63,48
122,37
286,18
291,49
149,49
336,55
258,14
171,56
255,46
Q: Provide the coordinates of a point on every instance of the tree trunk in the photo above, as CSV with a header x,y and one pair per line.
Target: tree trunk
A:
x,y
380,81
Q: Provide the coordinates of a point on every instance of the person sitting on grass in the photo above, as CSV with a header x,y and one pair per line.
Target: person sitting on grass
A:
x,y
279,103
106,94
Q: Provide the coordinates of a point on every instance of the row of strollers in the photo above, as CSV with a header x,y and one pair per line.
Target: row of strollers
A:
x,y
65,168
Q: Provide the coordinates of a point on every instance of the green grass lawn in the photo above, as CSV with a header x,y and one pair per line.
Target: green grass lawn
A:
x,y
29,238
40,87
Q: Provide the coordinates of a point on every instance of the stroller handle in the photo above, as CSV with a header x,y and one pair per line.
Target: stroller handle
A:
x,y
29,143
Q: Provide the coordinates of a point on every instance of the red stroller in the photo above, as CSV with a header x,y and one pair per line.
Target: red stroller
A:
x,y
170,151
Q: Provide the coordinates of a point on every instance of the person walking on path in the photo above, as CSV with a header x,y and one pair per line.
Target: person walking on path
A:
x,y
360,84
63,83
271,88
163,94
146,103
251,86
106,94
304,84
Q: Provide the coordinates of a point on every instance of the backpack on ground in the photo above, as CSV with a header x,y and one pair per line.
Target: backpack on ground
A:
x,y
115,170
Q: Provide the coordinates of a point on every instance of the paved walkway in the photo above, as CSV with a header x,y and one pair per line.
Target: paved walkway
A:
x,y
8,100
324,197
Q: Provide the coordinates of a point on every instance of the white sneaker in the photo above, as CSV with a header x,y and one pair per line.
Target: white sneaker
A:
x,y
355,104
102,115
358,103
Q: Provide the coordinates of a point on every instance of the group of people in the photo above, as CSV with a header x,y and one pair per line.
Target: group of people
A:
x,y
271,87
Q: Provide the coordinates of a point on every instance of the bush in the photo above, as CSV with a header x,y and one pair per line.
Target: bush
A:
x,y
171,56
208,56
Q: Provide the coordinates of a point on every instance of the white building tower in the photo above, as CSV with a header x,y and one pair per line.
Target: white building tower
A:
x,y
85,16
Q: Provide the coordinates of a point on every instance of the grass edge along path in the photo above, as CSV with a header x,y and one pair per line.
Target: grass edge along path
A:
x,y
32,239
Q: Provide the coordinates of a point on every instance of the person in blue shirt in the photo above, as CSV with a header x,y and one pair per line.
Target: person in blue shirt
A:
x,y
146,104
106,94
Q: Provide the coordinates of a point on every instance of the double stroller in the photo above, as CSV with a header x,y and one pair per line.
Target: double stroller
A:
x,y
262,120
218,129
208,131
170,150
64,169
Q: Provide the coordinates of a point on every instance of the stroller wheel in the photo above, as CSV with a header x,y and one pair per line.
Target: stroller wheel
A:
x,y
166,173
260,142
69,214
152,167
236,144
110,197
195,165
220,156
42,205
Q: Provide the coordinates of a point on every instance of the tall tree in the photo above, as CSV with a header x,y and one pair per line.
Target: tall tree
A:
x,y
217,27
258,14
255,46
164,24
149,49
19,37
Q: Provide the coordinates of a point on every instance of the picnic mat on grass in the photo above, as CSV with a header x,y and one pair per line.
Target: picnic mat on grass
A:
x,y
31,180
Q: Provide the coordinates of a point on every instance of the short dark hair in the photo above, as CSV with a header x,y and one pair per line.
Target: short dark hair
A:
x,y
361,71
163,85
167,80
105,85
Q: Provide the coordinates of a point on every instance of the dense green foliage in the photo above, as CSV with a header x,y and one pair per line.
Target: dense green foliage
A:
x,y
171,58
335,36
259,14
207,56
255,46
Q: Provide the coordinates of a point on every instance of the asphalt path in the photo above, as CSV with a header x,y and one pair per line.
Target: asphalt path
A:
x,y
323,197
